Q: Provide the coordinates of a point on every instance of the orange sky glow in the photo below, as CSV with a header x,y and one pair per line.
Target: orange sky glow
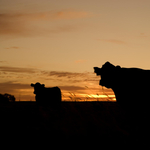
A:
x,y
57,43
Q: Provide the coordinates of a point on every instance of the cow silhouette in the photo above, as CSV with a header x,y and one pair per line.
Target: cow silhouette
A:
x,y
130,85
46,95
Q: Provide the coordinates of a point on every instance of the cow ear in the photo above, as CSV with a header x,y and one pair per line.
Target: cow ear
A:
x,y
43,85
32,84
108,66
97,71
118,67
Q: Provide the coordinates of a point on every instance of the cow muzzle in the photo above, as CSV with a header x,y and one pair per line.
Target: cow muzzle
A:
x,y
97,71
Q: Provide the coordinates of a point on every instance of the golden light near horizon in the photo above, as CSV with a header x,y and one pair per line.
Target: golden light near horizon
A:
x,y
57,43
87,96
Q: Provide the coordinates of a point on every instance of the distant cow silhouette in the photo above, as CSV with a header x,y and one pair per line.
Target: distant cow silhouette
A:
x,y
130,85
46,95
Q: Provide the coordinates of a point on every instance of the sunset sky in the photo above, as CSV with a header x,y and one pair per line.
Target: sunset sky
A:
x,y
58,42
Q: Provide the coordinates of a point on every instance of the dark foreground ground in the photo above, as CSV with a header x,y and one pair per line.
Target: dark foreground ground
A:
x,y
90,123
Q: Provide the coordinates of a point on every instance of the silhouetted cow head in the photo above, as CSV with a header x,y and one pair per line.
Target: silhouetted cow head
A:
x,y
37,87
107,73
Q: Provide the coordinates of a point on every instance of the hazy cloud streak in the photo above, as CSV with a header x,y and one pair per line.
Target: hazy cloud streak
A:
x,y
50,15
17,69
13,85
66,74
12,88
13,47
21,23
3,61
112,41
80,61
70,77
18,73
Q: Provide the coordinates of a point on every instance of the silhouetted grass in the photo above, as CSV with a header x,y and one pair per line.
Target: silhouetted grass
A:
x,y
103,122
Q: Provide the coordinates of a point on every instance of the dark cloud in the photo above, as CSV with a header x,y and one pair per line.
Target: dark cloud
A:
x,y
92,80
14,85
56,76
66,74
73,80
17,69
11,87
21,91
70,77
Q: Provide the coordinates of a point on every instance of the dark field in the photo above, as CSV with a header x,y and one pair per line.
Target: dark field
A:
x,y
101,123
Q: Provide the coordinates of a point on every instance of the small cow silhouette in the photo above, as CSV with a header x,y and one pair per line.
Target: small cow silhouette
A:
x,y
130,85
46,95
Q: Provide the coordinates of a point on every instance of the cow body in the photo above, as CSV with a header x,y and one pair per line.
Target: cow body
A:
x,y
130,85
46,95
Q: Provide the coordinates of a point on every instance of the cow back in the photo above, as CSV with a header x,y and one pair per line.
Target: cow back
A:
x,y
132,85
49,95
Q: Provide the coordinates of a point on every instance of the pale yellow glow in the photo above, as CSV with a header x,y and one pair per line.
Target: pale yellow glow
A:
x,y
86,97
101,96
25,90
